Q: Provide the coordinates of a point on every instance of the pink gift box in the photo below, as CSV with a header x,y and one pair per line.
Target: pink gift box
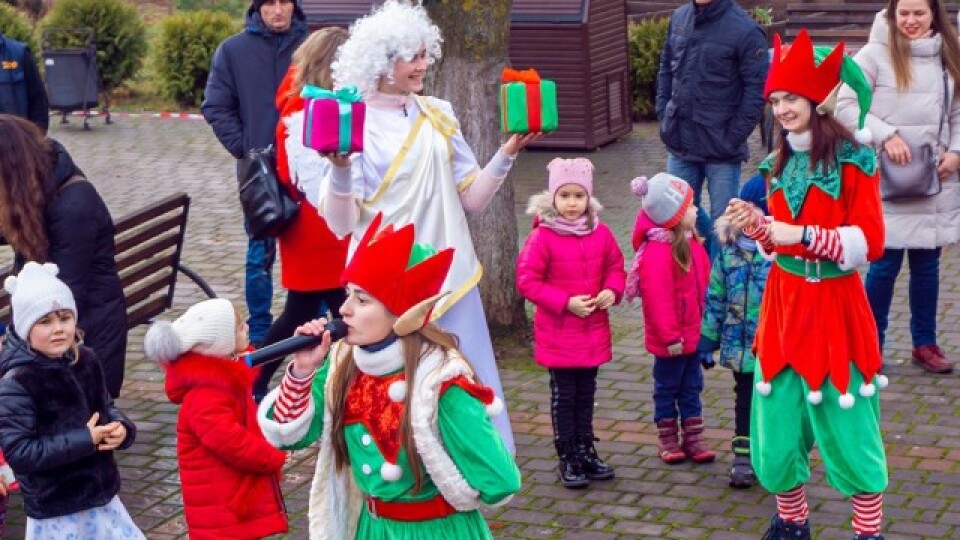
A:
x,y
332,126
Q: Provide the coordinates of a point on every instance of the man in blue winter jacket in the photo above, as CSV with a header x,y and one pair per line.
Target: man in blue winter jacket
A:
x,y
710,98
21,89
239,104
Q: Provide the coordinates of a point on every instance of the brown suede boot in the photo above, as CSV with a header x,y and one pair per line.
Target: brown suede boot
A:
x,y
932,359
670,451
694,446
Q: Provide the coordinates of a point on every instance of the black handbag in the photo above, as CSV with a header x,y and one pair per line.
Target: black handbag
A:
x,y
267,207
918,178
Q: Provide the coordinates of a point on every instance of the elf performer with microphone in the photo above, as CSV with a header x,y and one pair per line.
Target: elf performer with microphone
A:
x,y
407,448
229,473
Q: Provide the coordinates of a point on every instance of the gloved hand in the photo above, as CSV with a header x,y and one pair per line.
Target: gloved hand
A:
x,y
706,359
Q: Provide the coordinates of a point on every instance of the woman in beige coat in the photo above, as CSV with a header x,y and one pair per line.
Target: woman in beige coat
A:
x,y
911,45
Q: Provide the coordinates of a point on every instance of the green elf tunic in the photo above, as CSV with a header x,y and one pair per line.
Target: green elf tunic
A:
x,y
462,456
816,342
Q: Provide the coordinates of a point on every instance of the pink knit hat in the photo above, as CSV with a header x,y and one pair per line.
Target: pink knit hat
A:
x,y
577,171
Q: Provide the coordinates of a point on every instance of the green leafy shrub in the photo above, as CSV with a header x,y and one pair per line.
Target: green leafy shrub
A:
x,y
645,42
16,25
235,8
761,14
183,52
119,35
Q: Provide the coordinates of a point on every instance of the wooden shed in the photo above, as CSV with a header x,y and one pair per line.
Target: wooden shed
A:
x,y
580,44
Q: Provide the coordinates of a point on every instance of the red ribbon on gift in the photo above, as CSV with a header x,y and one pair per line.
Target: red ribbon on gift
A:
x,y
531,78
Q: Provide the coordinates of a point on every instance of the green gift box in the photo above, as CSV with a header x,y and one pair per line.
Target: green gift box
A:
x,y
528,104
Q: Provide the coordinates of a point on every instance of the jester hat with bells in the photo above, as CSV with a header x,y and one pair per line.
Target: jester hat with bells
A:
x,y
404,276
816,73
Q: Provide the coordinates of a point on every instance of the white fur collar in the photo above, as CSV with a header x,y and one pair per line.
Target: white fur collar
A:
x,y
800,142
382,362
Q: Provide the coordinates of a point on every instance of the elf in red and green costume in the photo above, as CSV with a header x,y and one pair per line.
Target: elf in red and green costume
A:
x,y
816,343
407,449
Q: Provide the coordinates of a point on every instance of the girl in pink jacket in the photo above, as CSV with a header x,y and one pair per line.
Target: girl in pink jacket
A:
x,y
572,270
671,271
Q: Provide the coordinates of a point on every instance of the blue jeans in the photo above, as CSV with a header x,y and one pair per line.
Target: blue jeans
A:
x,y
259,285
723,183
677,383
923,292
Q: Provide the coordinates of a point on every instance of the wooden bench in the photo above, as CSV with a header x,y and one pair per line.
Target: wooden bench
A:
x,y
829,24
148,243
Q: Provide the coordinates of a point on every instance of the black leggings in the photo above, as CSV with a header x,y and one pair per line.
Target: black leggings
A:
x,y
571,404
299,308
743,391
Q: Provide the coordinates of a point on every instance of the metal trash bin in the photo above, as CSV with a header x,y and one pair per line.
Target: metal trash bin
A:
x,y
71,77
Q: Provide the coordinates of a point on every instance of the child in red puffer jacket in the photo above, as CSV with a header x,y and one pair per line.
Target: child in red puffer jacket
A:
x,y
230,474
572,269
670,274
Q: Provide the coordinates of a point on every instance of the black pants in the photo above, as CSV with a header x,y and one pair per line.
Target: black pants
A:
x,y
299,308
571,404
743,391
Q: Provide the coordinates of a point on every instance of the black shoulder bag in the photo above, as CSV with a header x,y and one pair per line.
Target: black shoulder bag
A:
x,y
267,206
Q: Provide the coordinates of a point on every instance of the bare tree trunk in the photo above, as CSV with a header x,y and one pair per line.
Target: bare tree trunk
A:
x,y
476,47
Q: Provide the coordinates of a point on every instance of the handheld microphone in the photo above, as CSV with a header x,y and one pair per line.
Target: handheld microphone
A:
x,y
286,347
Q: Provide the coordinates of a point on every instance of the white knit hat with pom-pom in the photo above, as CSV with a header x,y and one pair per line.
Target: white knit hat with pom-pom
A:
x,y
665,198
34,292
208,328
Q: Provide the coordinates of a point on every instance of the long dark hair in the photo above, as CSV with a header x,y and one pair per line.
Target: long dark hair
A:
x,y
900,46
26,160
826,133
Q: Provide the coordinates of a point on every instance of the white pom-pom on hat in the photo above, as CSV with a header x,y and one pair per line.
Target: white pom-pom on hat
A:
x,y
868,390
764,388
495,407
162,344
390,472
846,401
10,284
863,135
815,397
882,381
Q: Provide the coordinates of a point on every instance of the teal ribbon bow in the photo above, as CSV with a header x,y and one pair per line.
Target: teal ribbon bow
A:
x,y
345,97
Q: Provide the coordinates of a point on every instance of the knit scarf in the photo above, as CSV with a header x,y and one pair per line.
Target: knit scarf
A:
x,y
656,234
581,226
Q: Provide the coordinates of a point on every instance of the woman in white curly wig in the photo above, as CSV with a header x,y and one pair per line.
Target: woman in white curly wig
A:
x,y
415,167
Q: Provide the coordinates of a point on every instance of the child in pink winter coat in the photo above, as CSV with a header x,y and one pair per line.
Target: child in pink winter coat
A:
x,y
572,270
671,271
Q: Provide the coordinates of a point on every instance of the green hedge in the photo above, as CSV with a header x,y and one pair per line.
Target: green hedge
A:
x,y
119,35
645,41
16,25
183,52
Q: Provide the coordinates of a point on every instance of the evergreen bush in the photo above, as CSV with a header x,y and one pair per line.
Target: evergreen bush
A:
x,y
118,30
15,25
645,42
183,52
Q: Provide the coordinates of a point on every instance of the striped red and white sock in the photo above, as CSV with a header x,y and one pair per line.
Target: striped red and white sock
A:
x,y
867,513
792,505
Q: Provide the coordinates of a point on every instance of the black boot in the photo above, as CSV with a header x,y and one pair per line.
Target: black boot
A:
x,y
785,530
868,537
593,466
742,475
570,469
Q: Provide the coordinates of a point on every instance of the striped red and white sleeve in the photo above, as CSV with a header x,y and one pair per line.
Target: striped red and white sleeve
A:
x,y
760,232
826,243
294,396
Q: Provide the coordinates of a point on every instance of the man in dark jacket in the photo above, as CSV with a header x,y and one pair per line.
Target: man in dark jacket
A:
x,y
710,98
239,104
21,89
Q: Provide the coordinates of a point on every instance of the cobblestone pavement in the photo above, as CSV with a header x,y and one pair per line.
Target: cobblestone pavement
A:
x,y
137,161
